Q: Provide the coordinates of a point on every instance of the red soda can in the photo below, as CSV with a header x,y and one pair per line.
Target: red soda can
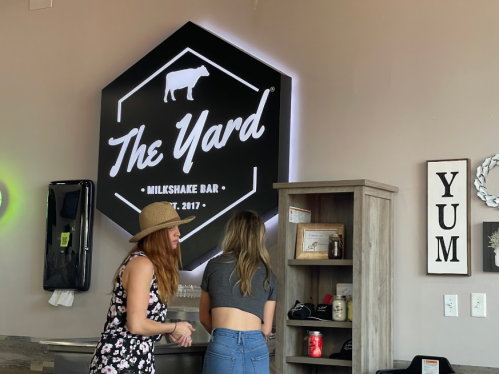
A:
x,y
314,344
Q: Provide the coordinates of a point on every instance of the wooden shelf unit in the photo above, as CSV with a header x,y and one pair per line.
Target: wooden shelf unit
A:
x,y
366,209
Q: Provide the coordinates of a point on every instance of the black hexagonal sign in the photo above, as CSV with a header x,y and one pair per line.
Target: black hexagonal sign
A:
x,y
200,123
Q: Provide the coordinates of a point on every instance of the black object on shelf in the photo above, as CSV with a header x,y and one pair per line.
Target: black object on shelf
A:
x,y
301,310
68,244
416,366
345,353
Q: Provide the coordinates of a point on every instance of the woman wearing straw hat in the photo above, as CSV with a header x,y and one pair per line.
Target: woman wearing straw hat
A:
x,y
144,282
238,300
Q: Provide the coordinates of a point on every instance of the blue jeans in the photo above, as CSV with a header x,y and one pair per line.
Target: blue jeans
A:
x,y
236,352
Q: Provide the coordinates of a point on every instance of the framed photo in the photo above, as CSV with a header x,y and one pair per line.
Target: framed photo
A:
x,y
312,239
491,246
448,217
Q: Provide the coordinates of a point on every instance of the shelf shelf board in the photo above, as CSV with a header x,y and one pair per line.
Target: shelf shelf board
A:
x,y
307,322
321,262
317,361
335,184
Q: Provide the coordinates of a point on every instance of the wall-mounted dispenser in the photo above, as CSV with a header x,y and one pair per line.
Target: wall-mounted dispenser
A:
x,y
68,244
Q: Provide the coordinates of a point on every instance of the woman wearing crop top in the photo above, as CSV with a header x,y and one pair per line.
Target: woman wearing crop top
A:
x,y
238,300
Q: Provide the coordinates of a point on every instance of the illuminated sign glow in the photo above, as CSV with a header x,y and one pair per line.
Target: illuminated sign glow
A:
x,y
4,199
200,124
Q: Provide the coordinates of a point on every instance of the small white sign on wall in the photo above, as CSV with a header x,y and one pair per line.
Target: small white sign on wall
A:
x,y
448,217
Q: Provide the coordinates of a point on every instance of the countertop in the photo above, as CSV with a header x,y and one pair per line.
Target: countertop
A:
x,y
200,337
87,345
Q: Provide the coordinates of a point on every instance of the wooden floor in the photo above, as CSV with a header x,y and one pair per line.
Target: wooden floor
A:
x,y
24,355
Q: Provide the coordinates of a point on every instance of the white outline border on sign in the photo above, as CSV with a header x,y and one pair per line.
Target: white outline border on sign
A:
x,y
120,101
255,169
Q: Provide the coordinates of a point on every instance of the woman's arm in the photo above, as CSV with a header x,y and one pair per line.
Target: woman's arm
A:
x,y
204,310
137,279
268,316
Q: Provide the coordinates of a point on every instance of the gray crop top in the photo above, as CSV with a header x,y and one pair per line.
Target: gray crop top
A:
x,y
224,294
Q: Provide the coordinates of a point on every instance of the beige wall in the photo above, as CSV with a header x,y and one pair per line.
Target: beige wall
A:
x,y
379,88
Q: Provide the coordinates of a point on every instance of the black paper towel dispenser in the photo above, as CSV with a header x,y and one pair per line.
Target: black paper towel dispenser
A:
x,y
68,243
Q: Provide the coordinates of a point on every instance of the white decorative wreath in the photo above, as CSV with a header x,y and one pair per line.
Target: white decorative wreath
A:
x,y
481,174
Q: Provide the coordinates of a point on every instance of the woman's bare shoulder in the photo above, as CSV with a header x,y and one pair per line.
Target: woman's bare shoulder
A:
x,y
139,267
140,264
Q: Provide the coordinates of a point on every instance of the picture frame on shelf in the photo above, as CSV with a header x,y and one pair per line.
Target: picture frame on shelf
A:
x,y
345,289
448,217
491,247
312,239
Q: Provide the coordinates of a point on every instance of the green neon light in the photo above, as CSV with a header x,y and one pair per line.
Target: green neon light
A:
x,y
11,205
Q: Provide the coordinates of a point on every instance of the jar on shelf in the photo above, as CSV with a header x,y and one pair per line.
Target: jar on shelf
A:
x,y
339,308
350,308
335,248
314,343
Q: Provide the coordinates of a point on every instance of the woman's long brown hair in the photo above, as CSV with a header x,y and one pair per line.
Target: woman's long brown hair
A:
x,y
245,237
165,259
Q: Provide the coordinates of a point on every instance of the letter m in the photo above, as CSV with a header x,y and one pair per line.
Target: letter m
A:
x,y
445,252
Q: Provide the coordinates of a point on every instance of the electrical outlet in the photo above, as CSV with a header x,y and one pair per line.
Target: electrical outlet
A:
x,y
450,305
478,305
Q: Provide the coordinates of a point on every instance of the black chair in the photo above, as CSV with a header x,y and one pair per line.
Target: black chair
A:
x,y
416,366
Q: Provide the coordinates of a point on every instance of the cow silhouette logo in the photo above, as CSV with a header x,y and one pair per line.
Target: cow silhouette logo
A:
x,y
183,78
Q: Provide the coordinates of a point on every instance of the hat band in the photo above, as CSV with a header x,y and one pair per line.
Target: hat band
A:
x,y
174,219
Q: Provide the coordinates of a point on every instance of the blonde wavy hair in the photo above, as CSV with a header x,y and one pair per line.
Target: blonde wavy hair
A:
x,y
245,238
165,259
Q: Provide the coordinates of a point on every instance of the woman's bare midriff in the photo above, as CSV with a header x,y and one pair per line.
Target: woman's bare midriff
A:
x,y
234,319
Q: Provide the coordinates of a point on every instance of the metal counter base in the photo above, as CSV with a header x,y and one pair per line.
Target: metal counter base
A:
x,y
75,357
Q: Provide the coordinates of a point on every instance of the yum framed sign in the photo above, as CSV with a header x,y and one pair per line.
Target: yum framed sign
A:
x,y
448,217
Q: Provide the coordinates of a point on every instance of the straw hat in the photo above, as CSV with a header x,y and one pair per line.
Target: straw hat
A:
x,y
157,216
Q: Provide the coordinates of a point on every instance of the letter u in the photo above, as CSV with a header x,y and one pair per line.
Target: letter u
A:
x,y
441,208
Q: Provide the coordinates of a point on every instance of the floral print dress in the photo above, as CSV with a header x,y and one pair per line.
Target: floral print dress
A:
x,y
120,351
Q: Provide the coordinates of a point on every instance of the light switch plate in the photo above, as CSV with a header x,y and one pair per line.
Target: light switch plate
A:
x,y
450,305
478,305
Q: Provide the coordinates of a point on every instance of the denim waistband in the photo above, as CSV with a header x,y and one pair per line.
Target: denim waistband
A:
x,y
239,335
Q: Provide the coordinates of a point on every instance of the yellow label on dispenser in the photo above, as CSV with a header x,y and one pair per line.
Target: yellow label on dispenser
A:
x,y
64,239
